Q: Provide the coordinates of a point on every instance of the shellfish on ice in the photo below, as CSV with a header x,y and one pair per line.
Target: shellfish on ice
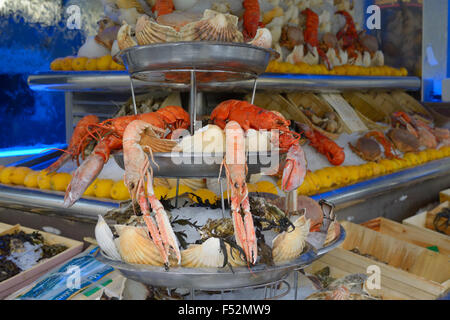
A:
x,y
290,244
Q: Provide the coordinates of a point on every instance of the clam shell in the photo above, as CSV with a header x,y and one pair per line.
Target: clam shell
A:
x,y
136,246
148,32
105,239
124,37
289,245
209,254
214,26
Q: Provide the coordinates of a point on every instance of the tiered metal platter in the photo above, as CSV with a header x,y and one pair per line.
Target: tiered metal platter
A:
x,y
217,279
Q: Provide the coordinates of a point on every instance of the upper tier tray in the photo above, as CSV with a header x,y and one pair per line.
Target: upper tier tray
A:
x,y
173,62
119,81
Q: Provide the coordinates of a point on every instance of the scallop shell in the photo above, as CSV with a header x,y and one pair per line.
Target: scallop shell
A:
x,y
214,26
209,254
148,32
105,239
136,246
289,245
206,255
124,37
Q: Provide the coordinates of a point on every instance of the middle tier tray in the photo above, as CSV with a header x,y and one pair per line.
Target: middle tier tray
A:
x,y
202,165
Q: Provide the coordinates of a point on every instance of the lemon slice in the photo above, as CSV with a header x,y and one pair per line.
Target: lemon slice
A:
x,y
182,190
119,191
103,188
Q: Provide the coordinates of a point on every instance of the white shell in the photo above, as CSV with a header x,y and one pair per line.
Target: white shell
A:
x,y
289,245
263,38
105,239
205,255
378,59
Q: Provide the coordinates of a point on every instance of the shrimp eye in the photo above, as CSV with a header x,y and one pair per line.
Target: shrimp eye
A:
x,y
132,185
236,185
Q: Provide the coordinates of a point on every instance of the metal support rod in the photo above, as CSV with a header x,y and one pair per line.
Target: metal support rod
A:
x,y
176,195
193,101
133,96
222,201
295,284
291,201
254,90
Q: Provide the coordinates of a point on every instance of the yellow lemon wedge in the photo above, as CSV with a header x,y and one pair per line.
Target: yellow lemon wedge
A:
x,y
56,64
325,177
6,175
79,64
205,196
91,64
104,62
44,180
266,187
160,192
66,64
119,191
182,190
103,188
60,181
18,175
90,191
31,179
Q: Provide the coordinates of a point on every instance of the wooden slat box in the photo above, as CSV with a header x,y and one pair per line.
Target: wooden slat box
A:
x,y
26,277
412,271
424,220
418,236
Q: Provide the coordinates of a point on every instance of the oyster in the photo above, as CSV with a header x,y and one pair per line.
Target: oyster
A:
x,y
105,239
290,244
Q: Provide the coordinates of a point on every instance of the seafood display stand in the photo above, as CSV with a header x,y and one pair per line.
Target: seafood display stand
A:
x,y
349,200
227,62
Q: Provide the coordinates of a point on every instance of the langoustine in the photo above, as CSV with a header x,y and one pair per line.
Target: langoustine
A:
x,y
109,135
252,117
139,182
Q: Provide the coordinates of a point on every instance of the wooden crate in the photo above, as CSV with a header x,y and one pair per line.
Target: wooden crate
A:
x,y
424,221
26,277
412,272
384,293
444,196
407,233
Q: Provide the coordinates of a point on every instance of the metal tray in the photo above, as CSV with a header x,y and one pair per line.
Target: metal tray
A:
x,y
216,279
211,61
200,165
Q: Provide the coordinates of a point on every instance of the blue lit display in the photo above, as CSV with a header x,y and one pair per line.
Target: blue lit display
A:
x,y
31,121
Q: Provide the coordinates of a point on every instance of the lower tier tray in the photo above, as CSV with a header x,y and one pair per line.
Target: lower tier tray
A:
x,y
217,279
